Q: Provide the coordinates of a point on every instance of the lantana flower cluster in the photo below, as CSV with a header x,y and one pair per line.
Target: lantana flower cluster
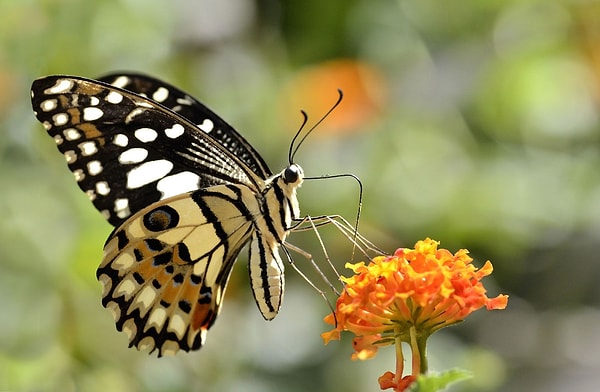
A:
x,y
405,298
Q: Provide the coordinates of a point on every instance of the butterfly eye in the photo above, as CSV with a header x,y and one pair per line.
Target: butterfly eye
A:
x,y
291,174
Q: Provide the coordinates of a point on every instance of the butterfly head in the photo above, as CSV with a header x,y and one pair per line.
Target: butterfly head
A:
x,y
293,175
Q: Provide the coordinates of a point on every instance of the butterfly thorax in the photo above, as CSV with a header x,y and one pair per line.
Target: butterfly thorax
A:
x,y
280,191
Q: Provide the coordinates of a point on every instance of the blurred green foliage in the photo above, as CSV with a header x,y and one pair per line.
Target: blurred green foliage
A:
x,y
486,137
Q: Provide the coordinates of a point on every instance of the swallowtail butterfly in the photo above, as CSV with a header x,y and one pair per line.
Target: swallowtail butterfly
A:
x,y
185,193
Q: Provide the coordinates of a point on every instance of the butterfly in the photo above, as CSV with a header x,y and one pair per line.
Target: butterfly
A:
x,y
185,192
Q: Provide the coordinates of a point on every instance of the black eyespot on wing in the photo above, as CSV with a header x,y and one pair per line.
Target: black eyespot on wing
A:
x,y
205,295
138,278
178,279
196,279
161,218
162,259
185,306
182,251
154,245
139,256
122,239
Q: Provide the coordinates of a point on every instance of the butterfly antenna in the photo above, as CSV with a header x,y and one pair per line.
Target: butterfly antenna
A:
x,y
293,149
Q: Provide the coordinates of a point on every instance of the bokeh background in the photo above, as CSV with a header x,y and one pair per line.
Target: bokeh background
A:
x,y
473,122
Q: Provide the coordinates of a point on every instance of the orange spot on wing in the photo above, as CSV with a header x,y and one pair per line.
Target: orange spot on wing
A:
x,y
74,114
90,131
203,317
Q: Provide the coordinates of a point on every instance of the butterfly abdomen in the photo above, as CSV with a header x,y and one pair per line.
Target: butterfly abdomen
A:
x,y
278,209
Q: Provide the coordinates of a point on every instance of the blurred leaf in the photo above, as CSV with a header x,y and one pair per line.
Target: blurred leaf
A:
x,y
432,382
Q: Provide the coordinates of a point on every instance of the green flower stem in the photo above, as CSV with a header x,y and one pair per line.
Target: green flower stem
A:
x,y
422,344
399,355
418,345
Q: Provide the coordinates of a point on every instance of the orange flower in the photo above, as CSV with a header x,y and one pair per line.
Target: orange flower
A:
x,y
405,298
315,89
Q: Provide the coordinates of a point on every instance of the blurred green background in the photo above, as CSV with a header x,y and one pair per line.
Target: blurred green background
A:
x,y
473,122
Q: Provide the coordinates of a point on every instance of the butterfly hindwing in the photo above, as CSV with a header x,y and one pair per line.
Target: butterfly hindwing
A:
x,y
125,150
165,270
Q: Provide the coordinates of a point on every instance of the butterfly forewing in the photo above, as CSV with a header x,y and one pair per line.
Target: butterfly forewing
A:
x,y
127,151
188,107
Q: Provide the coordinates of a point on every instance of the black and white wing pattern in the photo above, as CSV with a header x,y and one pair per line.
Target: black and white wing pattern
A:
x,y
127,150
185,191
190,108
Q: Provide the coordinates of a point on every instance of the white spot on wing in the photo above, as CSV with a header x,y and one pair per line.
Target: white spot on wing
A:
x,y
60,119
94,101
102,188
175,131
79,174
185,101
146,135
88,148
157,318
121,81
144,104
70,156
177,324
169,347
122,208
134,113
177,184
112,306
160,94
91,114
106,284
121,140
123,261
94,168
61,86
126,287
129,328
133,155
71,134
148,172
145,298
49,104
114,97
207,125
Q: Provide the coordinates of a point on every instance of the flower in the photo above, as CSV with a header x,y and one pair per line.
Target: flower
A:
x,y
315,89
405,298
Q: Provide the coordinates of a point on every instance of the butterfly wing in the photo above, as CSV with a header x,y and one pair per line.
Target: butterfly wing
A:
x,y
190,108
185,198
165,270
127,151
